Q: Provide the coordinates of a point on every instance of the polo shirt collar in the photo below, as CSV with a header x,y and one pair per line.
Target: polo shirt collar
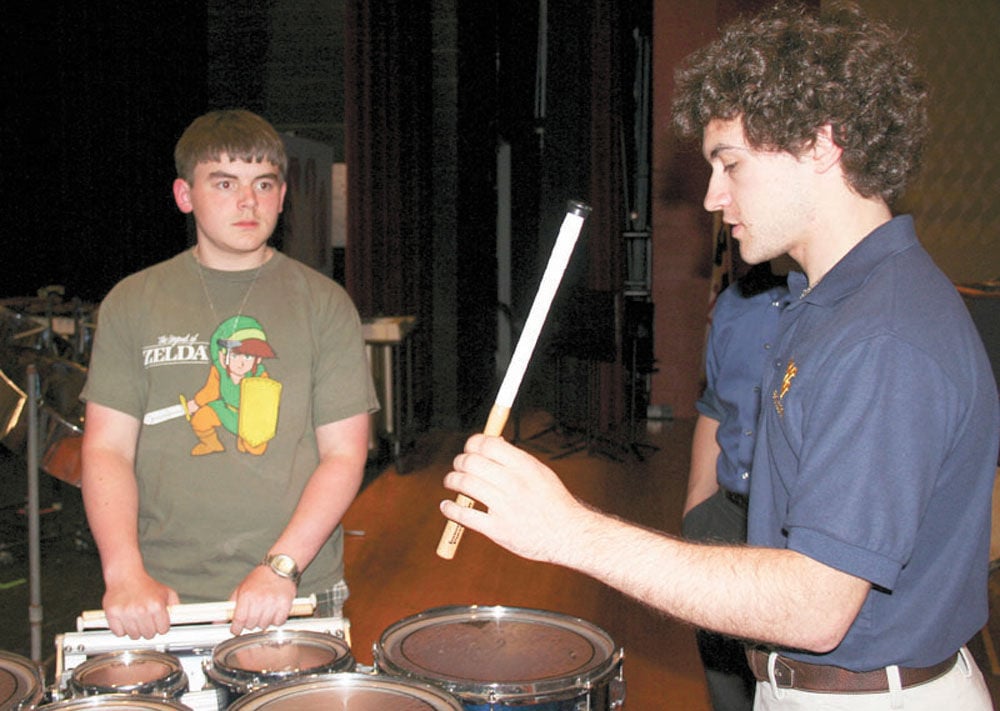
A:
x,y
856,267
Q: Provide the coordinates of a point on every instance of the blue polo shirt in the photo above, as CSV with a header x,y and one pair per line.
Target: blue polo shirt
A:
x,y
739,348
878,446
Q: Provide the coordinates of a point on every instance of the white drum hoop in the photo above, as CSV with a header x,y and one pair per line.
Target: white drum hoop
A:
x,y
503,655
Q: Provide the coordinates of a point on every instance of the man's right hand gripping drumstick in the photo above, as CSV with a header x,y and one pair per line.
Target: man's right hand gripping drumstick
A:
x,y
528,509
452,531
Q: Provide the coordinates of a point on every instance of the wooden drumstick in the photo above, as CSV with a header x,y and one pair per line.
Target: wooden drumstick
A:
x,y
576,213
195,613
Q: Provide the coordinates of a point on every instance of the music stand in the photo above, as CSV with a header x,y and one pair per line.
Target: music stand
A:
x,y
582,327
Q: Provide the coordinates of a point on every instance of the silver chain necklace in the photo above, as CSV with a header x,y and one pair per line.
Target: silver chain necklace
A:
x,y
208,297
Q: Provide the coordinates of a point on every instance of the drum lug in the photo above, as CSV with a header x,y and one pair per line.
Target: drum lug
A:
x,y
616,686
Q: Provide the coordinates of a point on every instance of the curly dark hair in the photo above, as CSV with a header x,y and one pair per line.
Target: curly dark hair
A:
x,y
788,72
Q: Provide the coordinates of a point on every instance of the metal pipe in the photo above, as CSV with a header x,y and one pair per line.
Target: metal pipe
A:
x,y
34,555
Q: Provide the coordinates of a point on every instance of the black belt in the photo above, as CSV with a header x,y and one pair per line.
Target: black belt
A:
x,y
738,499
793,674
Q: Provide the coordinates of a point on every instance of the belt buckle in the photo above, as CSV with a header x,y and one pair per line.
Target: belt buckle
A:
x,y
779,672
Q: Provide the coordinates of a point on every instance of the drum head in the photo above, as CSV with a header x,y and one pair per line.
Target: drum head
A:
x,y
261,658
494,654
20,682
122,702
143,672
358,692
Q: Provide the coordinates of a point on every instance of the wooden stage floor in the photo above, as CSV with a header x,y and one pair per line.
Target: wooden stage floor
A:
x,y
394,572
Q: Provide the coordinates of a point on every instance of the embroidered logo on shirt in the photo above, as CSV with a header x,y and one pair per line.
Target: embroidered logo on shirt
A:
x,y
786,383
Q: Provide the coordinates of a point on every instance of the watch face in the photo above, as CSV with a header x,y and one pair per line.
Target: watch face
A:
x,y
284,564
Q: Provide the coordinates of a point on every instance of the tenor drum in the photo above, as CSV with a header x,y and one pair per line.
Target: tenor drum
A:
x,y
141,673
503,657
259,659
21,687
121,702
63,442
358,692
60,383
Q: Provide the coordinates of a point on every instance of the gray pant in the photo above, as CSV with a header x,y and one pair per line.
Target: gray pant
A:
x,y
730,682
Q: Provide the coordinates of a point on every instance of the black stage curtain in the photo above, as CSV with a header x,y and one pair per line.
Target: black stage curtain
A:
x,y
604,243
388,90
386,115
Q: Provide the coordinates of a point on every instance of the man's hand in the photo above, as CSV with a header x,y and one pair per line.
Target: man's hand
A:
x,y
262,599
529,510
137,607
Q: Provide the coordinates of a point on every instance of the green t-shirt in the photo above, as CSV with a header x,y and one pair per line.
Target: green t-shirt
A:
x,y
168,334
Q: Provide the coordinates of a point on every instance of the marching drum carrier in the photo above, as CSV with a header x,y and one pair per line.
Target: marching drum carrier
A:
x,y
198,664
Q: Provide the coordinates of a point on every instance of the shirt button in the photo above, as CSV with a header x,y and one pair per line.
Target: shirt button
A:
x,y
748,433
745,475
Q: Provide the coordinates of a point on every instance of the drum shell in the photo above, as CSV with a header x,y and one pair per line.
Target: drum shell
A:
x,y
366,692
260,659
145,673
503,657
63,442
21,685
122,702
60,382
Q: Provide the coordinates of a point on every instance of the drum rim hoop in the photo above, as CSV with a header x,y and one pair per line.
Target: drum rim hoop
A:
x,y
30,685
243,681
112,700
169,686
347,680
550,689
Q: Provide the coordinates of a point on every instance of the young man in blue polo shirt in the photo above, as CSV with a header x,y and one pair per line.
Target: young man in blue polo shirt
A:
x,y
870,494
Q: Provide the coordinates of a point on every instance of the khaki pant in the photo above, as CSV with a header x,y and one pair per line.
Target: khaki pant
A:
x,y
962,688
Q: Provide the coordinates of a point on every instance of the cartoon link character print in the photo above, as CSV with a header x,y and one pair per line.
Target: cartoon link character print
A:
x,y
238,394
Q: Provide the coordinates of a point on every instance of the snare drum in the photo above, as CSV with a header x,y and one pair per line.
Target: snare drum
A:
x,y
122,702
504,657
21,687
363,692
258,659
140,672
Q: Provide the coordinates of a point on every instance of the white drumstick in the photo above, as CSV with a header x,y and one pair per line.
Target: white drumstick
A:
x,y
195,613
576,213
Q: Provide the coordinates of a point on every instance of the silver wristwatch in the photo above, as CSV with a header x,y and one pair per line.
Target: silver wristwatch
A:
x,y
283,566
